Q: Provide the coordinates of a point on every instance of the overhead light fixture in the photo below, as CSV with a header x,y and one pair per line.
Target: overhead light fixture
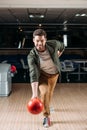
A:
x,y
41,16
77,15
36,16
81,15
31,16
40,25
65,22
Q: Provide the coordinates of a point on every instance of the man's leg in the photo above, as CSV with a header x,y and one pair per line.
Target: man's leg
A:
x,y
46,88
52,84
44,98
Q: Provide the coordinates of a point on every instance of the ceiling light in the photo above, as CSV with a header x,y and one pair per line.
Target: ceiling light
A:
x,y
36,16
41,16
31,16
40,25
83,15
77,15
65,22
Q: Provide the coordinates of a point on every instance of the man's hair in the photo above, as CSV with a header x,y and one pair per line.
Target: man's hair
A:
x,y
39,32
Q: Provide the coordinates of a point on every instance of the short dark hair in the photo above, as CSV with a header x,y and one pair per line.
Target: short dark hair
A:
x,y
39,32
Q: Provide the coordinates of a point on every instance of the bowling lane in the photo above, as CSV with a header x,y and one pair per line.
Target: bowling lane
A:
x,y
68,108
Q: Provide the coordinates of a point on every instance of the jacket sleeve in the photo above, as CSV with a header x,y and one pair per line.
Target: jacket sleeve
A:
x,y
60,46
56,44
33,69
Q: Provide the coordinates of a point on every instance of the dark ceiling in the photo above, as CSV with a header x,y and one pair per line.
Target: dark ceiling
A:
x,y
51,16
54,18
56,21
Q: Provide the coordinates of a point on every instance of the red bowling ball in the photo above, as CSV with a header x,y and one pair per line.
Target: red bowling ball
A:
x,y
13,69
35,106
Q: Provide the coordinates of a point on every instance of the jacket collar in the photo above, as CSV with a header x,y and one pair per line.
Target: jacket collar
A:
x,y
49,48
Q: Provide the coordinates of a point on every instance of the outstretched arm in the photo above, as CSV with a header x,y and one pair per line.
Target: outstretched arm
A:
x,y
34,86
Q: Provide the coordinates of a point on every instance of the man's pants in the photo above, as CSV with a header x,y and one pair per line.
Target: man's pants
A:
x,y
46,87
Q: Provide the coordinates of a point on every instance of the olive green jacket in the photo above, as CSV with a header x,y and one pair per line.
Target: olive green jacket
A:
x,y
34,62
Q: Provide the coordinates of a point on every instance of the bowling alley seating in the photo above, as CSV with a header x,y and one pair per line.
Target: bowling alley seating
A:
x,y
25,68
70,57
20,62
11,59
67,67
84,68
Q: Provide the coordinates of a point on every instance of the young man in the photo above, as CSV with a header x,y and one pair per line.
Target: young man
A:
x,y
44,68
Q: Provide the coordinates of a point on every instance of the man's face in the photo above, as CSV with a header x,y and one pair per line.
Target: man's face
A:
x,y
39,42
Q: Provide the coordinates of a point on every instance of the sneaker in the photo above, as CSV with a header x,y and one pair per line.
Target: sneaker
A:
x,y
46,122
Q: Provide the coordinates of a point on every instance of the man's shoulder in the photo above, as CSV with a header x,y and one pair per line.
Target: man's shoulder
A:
x,y
32,53
52,41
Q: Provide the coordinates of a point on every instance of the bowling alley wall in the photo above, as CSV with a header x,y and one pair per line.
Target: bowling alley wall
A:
x,y
15,44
